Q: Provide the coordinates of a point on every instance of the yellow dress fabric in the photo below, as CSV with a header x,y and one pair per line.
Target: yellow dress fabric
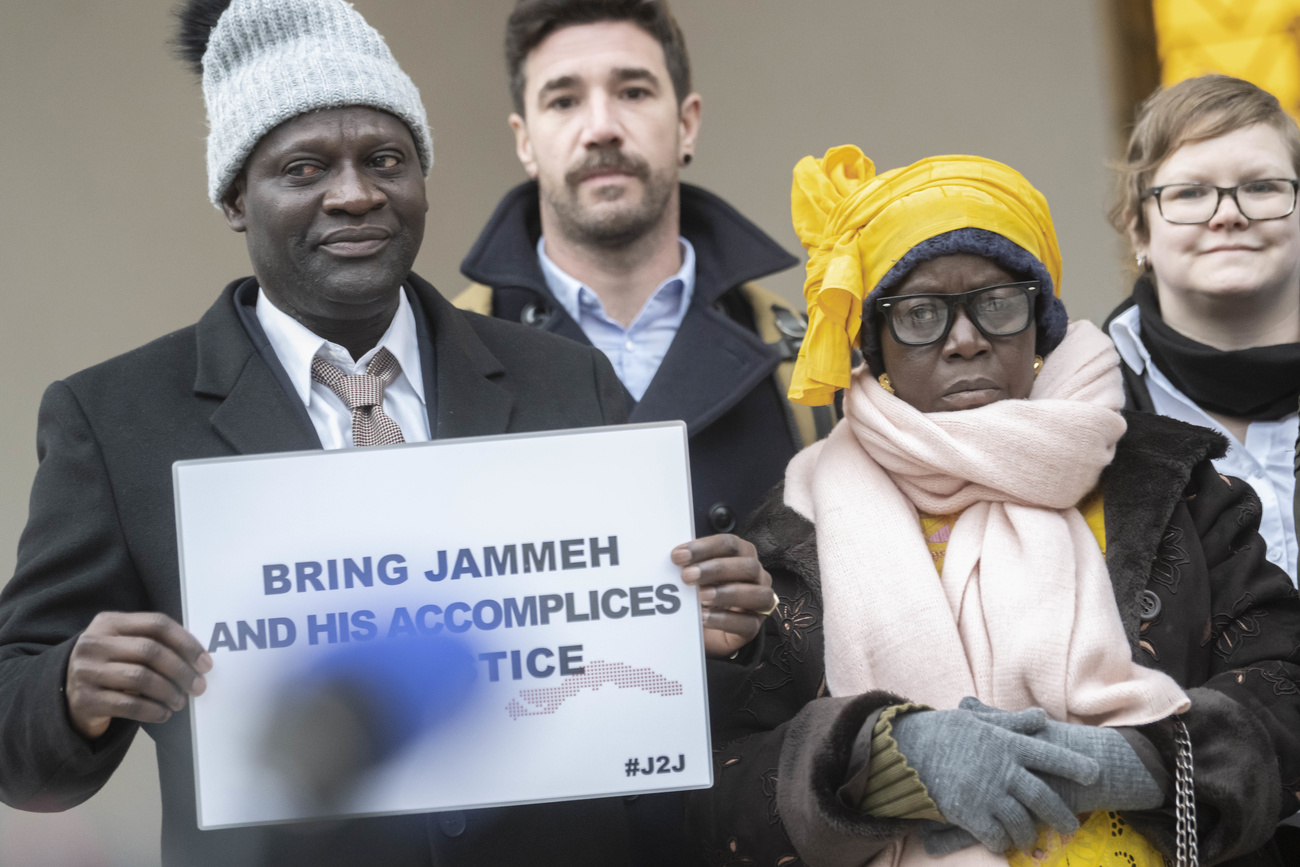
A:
x,y
1104,839
856,224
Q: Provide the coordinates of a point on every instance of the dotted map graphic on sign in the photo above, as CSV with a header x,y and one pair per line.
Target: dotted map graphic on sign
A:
x,y
547,700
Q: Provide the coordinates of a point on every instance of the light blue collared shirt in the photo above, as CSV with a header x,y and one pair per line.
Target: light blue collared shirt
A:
x,y
1265,460
636,351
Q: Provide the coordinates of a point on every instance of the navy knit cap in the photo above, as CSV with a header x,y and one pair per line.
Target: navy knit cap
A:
x,y
1049,312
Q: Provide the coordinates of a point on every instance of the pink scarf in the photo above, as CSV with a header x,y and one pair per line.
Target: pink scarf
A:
x,y
1023,614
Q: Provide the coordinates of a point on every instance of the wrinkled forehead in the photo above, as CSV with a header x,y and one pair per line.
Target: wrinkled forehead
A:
x,y
950,274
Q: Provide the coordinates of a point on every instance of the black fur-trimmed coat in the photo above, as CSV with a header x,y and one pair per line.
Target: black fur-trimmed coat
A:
x,y
1227,630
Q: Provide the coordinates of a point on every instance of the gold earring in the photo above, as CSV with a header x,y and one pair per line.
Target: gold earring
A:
x,y
1038,364
883,379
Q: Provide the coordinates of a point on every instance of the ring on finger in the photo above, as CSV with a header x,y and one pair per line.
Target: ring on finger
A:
x,y
776,600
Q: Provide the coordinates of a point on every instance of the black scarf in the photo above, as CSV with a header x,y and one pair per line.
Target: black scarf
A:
x,y
1257,384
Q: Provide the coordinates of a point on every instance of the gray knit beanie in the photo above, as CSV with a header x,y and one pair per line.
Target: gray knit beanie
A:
x,y
267,61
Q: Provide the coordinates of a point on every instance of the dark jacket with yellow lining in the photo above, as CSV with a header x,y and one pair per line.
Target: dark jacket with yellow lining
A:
x,y
728,369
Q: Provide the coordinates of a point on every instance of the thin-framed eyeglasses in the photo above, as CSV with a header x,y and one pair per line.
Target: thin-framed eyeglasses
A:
x,y
1265,199
997,311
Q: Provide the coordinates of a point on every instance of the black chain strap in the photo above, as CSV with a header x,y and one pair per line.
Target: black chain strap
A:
x,y
1185,797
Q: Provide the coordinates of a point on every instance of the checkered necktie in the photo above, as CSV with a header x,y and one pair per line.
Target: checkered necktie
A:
x,y
364,395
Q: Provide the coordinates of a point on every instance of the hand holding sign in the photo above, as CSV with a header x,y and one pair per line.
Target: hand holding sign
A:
x,y
735,590
137,666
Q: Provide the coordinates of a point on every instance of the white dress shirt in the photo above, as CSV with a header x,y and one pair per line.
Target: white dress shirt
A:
x,y
636,351
1266,460
296,346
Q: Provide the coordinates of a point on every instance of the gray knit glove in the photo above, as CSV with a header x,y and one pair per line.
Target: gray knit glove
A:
x,y
1122,784
981,775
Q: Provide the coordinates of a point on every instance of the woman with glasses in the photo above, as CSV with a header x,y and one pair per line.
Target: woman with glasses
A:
x,y
1016,624
1211,334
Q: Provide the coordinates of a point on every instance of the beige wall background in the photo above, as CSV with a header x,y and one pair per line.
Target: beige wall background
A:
x,y
107,240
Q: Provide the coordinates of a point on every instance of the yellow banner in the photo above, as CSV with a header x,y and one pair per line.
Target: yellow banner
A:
x,y
1258,40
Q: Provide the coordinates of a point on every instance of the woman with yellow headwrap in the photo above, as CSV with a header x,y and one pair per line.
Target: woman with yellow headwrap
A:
x,y
1015,624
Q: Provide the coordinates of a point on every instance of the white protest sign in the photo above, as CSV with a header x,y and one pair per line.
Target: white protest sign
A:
x,y
547,554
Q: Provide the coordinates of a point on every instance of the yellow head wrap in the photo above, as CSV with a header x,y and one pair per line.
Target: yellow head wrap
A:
x,y
856,224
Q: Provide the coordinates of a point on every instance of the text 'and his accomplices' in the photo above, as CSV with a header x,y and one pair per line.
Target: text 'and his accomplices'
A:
x,y
338,627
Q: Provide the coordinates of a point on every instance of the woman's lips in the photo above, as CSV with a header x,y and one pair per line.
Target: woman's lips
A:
x,y
964,385
1232,248
968,394
972,398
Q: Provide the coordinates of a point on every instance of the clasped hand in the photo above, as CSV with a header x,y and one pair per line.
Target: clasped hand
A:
x,y
1121,782
985,777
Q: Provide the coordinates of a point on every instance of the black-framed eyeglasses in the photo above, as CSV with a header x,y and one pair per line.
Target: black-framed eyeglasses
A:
x,y
1265,199
997,311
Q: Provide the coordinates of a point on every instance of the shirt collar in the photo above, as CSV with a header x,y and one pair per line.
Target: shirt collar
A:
x,y
572,294
296,345
1125,331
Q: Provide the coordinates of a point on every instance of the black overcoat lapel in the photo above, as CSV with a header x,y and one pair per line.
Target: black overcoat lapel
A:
x,y
255,414
712,364
562,323
470,400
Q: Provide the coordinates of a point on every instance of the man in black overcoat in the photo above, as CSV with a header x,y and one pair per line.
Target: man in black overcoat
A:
x,y
317,152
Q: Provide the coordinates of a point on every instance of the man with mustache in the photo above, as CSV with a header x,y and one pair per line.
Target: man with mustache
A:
x,y
317,152
605,246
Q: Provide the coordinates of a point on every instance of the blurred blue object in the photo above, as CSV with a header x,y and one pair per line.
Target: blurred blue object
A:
x,y
411,684
358,705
